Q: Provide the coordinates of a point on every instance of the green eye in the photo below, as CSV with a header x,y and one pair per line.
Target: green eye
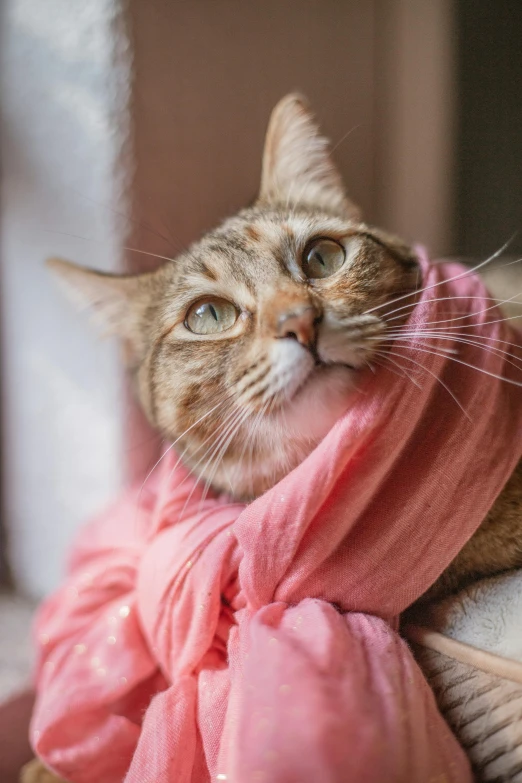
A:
x,y
322,258
210,316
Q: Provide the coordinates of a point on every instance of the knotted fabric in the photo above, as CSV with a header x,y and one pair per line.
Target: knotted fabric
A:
x,y
201,640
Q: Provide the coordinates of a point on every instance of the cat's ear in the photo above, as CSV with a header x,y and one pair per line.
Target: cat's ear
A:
x,y
117,303
297,165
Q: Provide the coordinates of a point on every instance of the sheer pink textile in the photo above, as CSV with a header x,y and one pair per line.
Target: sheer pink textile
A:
x,y
203,640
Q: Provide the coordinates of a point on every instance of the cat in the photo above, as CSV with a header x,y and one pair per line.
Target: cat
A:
x,y
245,349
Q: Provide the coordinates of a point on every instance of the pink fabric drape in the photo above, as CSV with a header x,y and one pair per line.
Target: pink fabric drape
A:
x,y
200,640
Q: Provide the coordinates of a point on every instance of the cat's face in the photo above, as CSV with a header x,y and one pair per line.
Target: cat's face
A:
x,y
246,349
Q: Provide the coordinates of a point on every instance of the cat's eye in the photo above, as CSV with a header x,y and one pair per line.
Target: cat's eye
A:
x,y
210,316
322,258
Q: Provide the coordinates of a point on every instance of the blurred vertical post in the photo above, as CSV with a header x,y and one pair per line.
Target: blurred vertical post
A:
x,y
65,86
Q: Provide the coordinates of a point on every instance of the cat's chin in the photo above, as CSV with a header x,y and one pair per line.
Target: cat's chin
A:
x,y
321,400
287,436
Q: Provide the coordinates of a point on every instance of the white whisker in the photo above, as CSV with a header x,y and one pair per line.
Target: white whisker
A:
x,y
447,280
387,356
464,340
466,364
498,303
439,380
171,446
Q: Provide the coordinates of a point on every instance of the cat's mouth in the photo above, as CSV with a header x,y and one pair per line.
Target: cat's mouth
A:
x,y
319,362
318,374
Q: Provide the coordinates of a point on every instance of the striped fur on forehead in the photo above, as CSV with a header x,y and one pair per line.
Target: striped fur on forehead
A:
x,y
249,250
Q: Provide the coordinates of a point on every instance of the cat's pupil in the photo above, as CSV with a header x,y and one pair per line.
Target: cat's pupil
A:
x,y
320,258
213,312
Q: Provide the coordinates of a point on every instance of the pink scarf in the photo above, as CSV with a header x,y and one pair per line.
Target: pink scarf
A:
x,y
207,641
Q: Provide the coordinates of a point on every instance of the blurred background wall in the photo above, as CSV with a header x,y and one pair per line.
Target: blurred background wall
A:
x,y
379,75
488,138
140,124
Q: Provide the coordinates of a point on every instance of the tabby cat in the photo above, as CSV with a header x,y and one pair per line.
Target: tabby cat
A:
x,y
246,349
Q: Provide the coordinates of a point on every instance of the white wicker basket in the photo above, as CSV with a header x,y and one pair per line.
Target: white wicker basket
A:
x,y
480,695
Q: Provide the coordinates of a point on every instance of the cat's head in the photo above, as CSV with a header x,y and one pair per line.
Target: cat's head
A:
x,y
245,349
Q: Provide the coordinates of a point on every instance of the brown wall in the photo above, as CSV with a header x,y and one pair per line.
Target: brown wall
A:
x,y
379,75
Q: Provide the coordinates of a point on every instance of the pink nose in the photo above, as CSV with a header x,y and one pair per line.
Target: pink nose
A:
x,y
299,324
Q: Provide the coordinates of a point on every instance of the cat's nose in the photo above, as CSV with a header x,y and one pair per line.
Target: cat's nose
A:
x,y
299,323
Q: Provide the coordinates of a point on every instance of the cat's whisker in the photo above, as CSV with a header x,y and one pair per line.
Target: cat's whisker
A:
x,y
486,323
128,219
100,242
387,357
496,304
179,250
168,236
412,305
218,431
408,375
132,447
436,378
344,137
467,364
454,337
238,415
146,253
198,448
385,366
140,223
189,429
220,439
171,446
196,484
467,272
465,340
382,339
249,443
220,450
215,455
252,441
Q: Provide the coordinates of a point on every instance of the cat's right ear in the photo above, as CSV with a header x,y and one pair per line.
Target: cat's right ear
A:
x,y
298,168
115,302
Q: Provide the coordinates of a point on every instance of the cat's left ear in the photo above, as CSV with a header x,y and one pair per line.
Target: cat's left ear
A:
x,y
297,165
117,303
